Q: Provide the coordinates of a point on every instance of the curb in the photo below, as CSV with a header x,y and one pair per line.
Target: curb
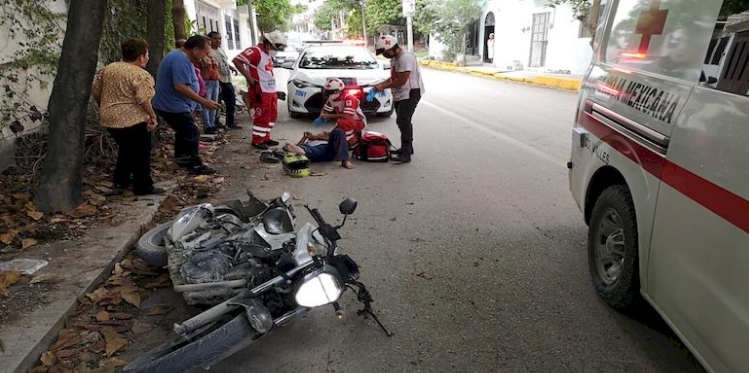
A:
x,y
544,81
95,254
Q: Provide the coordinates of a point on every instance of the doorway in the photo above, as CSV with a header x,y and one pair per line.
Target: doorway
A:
x,y
539,39
488,29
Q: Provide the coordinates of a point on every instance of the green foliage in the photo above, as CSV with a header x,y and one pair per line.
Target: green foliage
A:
x,y
448,20
324,16
384,12
126,19
273,14
328,13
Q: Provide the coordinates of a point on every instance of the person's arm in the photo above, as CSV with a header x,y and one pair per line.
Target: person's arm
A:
x,y
186,91
246,73
97,87
152,121
399,81
335,116
244,61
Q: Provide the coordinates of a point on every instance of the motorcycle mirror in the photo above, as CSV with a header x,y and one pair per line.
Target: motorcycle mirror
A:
x,y
285,197
348,206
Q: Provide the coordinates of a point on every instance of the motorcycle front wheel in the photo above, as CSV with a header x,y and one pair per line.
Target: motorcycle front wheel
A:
x,y
203,348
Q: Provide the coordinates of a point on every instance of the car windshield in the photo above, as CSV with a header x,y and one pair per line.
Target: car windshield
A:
x,y
337,58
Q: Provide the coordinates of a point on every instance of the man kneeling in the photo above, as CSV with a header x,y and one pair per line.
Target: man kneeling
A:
x,y
350,121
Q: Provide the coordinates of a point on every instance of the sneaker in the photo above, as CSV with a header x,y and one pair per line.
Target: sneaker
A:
x,y
260,146
152,190
210,131
202,169
401,158
272,143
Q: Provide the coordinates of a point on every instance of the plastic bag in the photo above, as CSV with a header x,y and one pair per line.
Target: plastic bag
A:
x,y
26,266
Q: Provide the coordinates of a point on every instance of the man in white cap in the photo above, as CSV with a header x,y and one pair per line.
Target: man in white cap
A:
x,y
407,87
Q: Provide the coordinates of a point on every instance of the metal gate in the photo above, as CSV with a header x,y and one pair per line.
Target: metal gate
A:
x,y
539,39
735,75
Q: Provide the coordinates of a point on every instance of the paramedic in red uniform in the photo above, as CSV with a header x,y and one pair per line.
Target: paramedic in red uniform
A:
x,y
256,64
350,121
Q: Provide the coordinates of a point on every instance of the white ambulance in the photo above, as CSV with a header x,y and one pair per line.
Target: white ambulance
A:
x,y
660,168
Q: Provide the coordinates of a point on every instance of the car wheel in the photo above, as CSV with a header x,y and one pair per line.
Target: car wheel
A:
x,y
613,248
293,114
386,114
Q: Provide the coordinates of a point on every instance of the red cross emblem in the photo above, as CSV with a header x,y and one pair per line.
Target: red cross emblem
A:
x,y
651,22
387,42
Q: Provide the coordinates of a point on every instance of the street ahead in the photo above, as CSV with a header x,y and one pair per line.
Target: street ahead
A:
x,y
475,251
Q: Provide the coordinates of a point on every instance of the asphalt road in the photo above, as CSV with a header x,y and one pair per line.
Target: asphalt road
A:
x,y
475,251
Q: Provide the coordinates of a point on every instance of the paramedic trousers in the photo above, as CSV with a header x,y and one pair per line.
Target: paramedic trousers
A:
x,y
335,149
405,109
186,137
133,158
265,116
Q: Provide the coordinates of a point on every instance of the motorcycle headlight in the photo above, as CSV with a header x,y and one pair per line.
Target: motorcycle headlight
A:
x,y
319,288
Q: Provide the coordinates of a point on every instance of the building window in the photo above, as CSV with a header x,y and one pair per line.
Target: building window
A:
x,y
206,17
539,39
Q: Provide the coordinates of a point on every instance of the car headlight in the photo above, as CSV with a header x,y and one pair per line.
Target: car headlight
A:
x,y
301,83
319,288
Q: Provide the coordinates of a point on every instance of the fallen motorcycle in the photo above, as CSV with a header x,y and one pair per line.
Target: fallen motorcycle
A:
x,y
257,272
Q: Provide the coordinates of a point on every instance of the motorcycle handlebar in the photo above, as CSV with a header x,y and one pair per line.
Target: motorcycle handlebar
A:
x,y
316,215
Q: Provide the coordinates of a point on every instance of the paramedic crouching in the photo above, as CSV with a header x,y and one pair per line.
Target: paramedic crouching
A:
x,y
407,86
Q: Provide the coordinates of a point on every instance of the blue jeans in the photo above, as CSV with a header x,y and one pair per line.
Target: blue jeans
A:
x,y
335,149
208,117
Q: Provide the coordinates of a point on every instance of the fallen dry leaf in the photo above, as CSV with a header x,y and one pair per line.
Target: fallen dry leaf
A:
x,y
97,200
219,180
426,275
201,178
36,215
162,282
98,295
102,316
66,338
317,174
115,342
67,353
98,347
170,203
83,211
265,177
141,328
8,278
132,298
120,316
160,310
111,362
241,151
48,358
44,278
7,237
28,242
59,219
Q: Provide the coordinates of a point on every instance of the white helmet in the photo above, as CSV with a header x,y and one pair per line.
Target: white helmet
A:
x,y
276,39
335,84
384,43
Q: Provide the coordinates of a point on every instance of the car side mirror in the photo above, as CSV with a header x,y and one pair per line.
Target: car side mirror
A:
x,y
287,65
712,80
348,206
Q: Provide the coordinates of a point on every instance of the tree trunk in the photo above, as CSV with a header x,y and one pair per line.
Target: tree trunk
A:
x,y
178,16
62,171
156,29
592,23
463,45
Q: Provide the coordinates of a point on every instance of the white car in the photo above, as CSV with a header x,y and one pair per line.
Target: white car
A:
x,y
356,66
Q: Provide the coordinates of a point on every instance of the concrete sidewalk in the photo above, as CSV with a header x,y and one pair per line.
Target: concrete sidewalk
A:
x,y
78,265
558,81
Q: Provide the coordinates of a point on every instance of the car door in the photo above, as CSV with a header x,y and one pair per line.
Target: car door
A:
x,y
699,258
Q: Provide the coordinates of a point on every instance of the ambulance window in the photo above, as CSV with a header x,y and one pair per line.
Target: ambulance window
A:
x,y
664,37
727,69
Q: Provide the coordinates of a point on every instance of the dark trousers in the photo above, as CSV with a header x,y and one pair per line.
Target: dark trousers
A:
x,y
405,109
133,158
335,149
230,100
186,137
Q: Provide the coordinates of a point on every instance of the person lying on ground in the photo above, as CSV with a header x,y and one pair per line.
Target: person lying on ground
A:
x,y
323,147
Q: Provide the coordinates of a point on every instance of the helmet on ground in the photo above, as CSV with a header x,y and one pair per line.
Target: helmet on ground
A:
x,y
335,84
385,43
276,39
296,165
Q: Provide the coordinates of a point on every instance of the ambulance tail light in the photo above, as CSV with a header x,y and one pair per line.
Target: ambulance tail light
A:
x,y
639,56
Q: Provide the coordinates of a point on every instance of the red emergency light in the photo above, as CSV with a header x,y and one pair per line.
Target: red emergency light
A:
x,y
639,56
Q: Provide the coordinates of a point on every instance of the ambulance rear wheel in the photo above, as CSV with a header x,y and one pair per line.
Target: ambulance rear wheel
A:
x,y
613,248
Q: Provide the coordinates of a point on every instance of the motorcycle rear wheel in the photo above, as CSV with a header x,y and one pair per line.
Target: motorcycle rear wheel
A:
x,y
203,348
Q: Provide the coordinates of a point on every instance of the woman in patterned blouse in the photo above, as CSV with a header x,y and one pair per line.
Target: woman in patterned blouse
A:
x,y
124,91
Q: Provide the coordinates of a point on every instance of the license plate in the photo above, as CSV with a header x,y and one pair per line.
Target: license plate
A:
x,y
300,93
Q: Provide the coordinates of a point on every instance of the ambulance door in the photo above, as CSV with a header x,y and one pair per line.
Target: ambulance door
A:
x,y
699,259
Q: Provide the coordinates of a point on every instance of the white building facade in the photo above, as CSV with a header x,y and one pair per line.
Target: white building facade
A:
x,y
223,16
531,35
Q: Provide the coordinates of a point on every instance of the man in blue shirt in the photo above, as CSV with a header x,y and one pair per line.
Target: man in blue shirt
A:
x,y
177,97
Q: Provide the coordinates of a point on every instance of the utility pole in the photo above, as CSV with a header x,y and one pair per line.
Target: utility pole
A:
x,y
410,25
251,20
364,24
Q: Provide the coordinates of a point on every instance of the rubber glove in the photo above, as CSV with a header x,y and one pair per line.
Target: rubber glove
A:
x,y
319,122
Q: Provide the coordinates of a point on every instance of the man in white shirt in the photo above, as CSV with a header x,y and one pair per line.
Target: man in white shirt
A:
x,y
224,70
407,87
